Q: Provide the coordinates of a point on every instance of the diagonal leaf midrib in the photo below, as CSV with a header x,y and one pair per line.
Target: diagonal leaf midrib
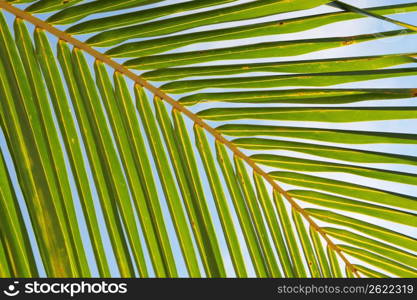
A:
x,y
176,105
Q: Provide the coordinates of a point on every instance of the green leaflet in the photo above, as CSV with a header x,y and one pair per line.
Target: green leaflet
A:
x,y
125,105
370,273
186,152
261,50
44,6
334,264
340,153
5,271
21,1
309,165
314,79
274,225
301,96
72,144
349,273
208,254
380,262
306,243
243,212
141,16
33,72
43,140
20,156
321,255
347,189
221,202
14,236
178,216
149,205
65,206
5,260
255,213
347,7
312,114
345,204
76,13
112,167
102,183
375,231
30,150
162,44
318,134
290,236
374,246
302,66
243,11
108,97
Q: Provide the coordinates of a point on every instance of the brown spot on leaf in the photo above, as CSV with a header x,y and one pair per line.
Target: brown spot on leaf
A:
x,y
348,42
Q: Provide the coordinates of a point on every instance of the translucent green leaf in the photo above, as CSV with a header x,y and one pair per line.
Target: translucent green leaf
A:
x,y
343,154
4,264
274,225
248,192
261,50
306,243
309,165
44,6
102,183
351,8
186,152
345,204
302,66
375,231
242,11
109,156
370,273
66,123
280,26
168,182
373,245
334,263
140,16
65,205
221,202
306,79
319,134
290,236
76,13
242,211
14,236
108,97
347,189
321,255
380,262
207,253
41,190
311,114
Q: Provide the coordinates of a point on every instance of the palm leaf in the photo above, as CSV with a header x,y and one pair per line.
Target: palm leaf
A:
x,y
370,273
82,140
162,44
262,50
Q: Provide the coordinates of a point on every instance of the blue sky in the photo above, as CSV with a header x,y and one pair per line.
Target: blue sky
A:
x,y
398,44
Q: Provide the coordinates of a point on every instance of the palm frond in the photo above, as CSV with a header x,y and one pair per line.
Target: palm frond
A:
x,y
160,180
